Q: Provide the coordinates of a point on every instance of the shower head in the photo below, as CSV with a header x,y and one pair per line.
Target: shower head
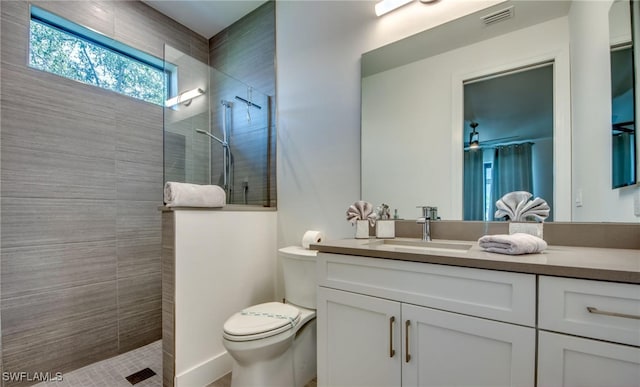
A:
x,y
224,143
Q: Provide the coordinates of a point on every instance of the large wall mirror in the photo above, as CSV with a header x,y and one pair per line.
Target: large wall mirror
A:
x,y
415,119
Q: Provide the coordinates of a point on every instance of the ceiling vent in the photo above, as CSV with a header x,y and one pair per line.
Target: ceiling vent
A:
x,y
498,16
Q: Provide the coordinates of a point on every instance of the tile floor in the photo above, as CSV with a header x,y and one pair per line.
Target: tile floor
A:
x,y
112,372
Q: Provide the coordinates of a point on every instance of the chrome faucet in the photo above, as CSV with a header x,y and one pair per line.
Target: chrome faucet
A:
x,y
428,214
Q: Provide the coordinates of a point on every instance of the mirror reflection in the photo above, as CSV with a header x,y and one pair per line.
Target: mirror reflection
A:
x,y
415,103
623,139
509,138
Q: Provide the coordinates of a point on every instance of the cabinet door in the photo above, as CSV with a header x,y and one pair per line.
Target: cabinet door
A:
x,y
449,349
358,340
572,361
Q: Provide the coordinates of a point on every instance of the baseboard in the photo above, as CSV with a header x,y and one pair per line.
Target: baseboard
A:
x,y
206,372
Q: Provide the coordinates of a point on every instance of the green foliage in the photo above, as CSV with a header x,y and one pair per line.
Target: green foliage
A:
x,y
61,53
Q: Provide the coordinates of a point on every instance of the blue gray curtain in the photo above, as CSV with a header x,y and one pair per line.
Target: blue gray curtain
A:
x,y
623,160
473,185
511,171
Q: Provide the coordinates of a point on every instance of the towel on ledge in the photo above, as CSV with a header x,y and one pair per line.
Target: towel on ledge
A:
x,y
517,207
514,244
193,195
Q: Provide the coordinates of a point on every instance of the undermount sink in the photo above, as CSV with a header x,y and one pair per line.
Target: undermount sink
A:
x,y
421,245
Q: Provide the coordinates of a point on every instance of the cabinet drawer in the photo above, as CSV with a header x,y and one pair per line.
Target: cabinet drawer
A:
x,y
564,305
496,295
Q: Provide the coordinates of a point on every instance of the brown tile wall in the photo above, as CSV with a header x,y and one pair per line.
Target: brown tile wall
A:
x,y
245,53
168,293
81,183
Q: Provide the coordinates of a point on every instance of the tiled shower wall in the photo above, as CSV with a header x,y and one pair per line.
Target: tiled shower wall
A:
x,y
81,183
246,51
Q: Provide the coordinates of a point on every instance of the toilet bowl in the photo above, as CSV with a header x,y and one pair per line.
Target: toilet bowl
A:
x,y
274,343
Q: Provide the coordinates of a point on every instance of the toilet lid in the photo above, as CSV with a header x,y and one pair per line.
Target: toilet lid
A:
x,y
262,320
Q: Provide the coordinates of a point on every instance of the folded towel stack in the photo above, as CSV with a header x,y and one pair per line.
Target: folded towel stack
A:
x,y
514,244
517,207
361,210
193,195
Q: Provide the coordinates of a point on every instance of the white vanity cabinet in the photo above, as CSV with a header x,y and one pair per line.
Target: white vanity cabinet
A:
x,y
605,315
391,323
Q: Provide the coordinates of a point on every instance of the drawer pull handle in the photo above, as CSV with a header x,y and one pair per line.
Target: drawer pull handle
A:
x,y
392,351
593,310
406,343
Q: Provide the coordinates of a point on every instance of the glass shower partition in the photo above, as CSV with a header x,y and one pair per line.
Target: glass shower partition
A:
x,y
223,135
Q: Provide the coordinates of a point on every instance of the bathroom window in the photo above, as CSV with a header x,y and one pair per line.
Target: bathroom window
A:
x,y
61,47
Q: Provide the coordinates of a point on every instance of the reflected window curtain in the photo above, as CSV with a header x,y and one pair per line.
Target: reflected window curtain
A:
x,y
623,148
473,185
511,171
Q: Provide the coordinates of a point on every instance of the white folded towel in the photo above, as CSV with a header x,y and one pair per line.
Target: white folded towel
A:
x,y
514,244
361,210
193,195
517,207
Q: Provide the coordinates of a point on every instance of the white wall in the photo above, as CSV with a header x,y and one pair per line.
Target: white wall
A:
x,y
225,261
591,114
318,98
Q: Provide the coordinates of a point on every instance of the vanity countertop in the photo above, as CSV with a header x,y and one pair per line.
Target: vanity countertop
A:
x,y
619,265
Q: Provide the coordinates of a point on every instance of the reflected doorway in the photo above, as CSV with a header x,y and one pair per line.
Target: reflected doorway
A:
x,y
508,138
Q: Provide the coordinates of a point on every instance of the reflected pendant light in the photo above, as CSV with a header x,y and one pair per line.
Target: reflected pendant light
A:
x,y
474,136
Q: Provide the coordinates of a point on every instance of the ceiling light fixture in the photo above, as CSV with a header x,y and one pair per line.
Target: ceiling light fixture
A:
x,y
474,136
184,98
386,6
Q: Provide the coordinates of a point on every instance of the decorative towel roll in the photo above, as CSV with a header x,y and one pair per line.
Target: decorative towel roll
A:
x,y
193,195
514,244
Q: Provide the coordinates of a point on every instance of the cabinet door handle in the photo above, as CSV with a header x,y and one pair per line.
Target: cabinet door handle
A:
x,y
593,310
406,342
392,351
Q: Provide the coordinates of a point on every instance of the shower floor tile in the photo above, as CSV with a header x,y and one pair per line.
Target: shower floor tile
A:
x,y
112,372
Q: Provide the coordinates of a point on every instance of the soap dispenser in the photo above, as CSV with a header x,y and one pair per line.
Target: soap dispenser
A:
x,y
385,226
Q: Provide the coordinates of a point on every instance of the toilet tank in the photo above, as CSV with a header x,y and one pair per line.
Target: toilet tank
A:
x,y
300,279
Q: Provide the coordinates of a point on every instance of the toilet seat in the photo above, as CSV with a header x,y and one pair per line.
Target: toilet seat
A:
x,y
261,321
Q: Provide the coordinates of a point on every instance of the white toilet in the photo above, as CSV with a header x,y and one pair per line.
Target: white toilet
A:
x,y
274,344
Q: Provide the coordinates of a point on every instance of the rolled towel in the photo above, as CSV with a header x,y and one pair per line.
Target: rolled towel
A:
x,y
514,244
193,195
